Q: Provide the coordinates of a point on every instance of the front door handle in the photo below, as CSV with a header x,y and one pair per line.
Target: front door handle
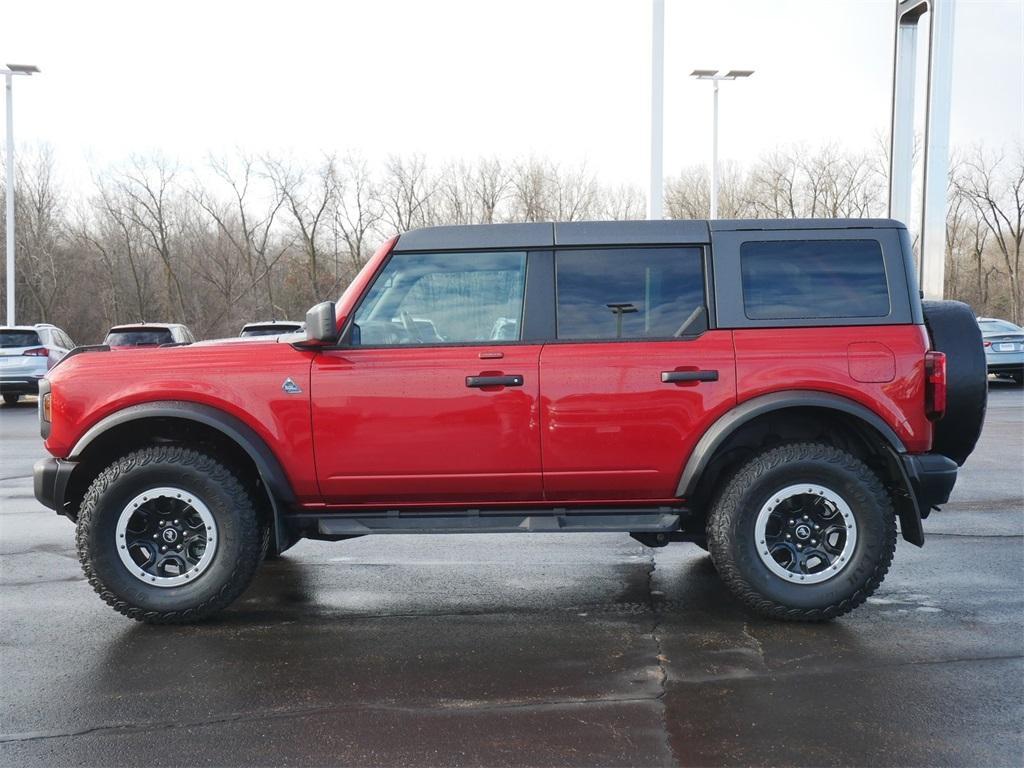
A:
x,y
494,381
671,377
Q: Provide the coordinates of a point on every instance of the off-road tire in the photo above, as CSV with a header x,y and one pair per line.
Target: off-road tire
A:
x,y
10,398
734,549
238,549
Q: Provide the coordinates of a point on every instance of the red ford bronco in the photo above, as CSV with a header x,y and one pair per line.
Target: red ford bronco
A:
x,y
773,391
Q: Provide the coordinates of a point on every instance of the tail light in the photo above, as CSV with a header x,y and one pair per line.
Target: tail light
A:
x,y
986,343
935,385
38,352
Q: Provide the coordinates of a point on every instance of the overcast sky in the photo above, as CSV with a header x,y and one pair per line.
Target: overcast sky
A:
x,y
566,79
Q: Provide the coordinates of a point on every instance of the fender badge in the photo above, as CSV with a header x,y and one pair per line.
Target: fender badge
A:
x,y
290,387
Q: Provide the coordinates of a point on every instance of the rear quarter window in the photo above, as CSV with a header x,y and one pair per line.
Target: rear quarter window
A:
x,y
804,279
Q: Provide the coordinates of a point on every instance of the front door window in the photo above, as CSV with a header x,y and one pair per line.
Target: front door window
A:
x,y
444,298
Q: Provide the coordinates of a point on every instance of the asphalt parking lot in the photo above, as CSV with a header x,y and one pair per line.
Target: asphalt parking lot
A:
x,y
522,650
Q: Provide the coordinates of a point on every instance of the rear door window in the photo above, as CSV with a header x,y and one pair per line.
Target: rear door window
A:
x,y
800,279
630,293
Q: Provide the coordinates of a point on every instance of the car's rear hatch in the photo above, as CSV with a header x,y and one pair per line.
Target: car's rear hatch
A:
x,y
127,338
22,353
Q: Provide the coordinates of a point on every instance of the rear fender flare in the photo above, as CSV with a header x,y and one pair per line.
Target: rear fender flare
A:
x,y
719,432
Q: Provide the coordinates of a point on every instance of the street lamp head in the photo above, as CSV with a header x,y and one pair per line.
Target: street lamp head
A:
x,y
23,69
712,74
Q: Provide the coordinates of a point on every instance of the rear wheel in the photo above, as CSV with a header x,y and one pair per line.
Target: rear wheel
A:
x,y
11,397
168,535
803,532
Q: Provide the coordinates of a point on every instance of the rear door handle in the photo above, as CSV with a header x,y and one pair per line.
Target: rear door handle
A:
x,y
669,377
494,381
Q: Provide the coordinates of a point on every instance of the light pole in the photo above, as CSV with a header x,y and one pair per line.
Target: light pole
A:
x,y
655,200
715,78
9,73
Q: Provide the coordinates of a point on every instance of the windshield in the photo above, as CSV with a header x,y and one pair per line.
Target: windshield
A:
x,y
19,339
139,338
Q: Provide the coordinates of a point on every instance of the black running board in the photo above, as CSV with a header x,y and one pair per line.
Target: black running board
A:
x,y
589,521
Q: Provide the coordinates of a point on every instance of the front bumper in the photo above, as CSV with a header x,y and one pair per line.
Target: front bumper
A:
x,y
932,477
50,482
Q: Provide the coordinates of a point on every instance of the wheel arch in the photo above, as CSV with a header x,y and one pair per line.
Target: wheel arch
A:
x,y
755,423
183,421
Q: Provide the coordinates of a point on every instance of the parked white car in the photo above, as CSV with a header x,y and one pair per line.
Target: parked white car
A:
x,y
27,352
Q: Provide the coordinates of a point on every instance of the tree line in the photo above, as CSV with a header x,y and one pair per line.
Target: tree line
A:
x,y
259,236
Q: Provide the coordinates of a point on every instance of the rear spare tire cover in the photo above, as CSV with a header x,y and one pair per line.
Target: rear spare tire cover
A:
x,y
954,331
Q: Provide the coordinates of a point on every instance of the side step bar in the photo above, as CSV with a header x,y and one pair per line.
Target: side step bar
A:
x,y
527,522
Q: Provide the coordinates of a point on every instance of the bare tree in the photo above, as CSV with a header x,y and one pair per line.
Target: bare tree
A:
x,y
995,186
247,225
40,230
407,195
309,197
149,199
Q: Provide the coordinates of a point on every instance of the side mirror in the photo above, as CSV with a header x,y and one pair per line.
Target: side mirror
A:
x,y
322,324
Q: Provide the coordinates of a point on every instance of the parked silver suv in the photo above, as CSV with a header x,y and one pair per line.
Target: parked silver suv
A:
x,y
27,352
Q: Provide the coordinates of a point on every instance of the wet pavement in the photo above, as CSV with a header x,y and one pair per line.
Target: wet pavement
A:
x,y
538,649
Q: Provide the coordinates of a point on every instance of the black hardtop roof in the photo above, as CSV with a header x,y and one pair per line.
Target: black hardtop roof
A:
x,y
577,233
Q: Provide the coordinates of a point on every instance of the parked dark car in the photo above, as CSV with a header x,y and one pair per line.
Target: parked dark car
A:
x,y
147,335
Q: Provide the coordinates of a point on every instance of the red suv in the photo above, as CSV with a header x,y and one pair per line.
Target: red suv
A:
x,y
773,391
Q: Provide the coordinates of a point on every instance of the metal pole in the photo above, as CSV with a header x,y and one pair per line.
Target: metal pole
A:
x,y
656,207
714,155
936,150
10,200
901,143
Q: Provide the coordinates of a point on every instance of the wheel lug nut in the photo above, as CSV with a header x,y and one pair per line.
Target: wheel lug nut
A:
x,y
155,536
179,547
813,541
788,536
163,523
175,522
805,518
799,546
817,527
163,549
791,522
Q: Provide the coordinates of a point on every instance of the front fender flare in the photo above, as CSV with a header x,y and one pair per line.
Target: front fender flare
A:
x,y
269,468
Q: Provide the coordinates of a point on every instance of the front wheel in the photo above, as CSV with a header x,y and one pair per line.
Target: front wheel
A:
x,y
168,535
803,532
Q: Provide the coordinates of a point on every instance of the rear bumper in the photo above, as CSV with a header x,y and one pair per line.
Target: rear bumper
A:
x,y
50,481
932,477
23,385
1006,368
